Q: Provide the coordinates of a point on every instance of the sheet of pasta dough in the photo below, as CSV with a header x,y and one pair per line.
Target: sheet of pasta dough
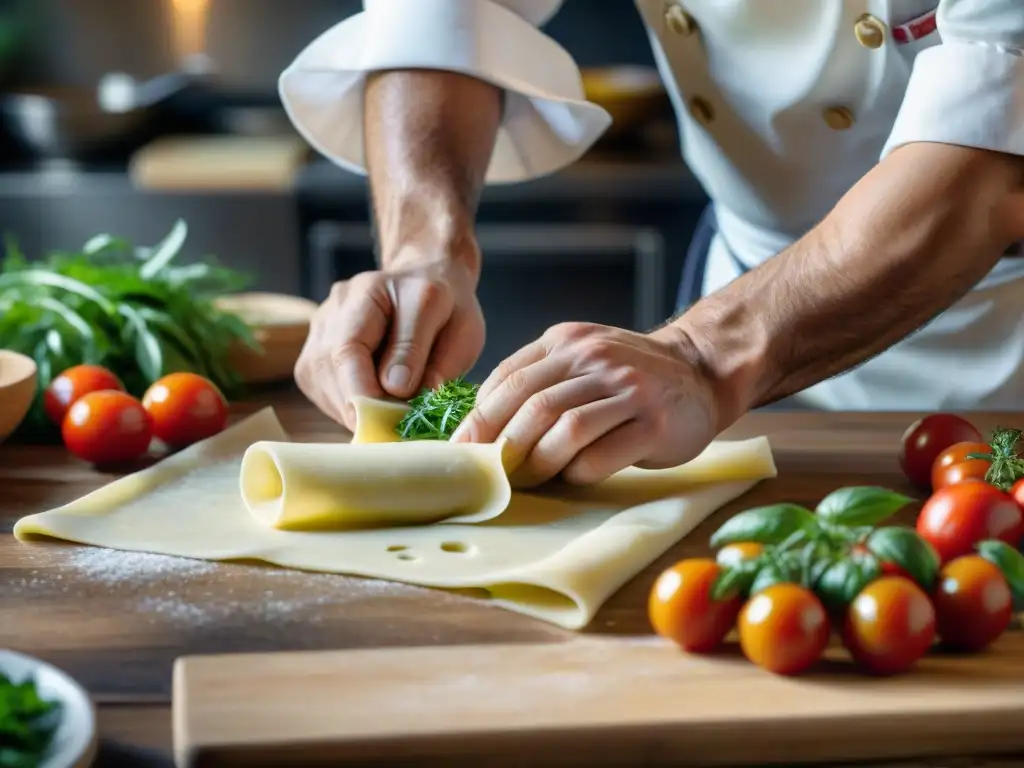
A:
x,y
554,553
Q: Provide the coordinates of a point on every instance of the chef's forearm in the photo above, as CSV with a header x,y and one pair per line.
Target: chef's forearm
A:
x,y
429,136
911,238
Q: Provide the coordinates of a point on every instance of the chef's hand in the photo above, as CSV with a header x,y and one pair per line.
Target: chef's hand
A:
x,y
588,400
422,322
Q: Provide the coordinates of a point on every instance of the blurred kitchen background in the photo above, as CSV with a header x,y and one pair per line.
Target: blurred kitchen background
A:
x,y
121,116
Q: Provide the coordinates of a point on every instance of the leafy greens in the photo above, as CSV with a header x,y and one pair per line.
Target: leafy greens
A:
x,y
434,414
27,723
129,309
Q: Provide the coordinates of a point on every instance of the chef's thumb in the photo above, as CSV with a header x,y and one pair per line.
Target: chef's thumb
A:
x,y
414,328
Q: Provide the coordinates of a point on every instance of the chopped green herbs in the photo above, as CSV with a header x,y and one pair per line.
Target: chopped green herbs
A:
x,y
434,414
128,309
27,724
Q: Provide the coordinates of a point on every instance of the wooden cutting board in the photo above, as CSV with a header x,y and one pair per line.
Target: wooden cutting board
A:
x,y
219,163
591,701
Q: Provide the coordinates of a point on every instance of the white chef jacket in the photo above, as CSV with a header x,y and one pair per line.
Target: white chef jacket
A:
x,y
782,106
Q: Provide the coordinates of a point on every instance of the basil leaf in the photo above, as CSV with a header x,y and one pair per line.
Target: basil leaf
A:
x,y
736,580
764,525
904,548
845,579
775,572
860,506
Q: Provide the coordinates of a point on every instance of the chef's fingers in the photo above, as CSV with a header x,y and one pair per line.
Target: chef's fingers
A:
x,y
624,446
455,351
355,332
493,411
573,436
523,357
313,388
354,376
543,410
421,307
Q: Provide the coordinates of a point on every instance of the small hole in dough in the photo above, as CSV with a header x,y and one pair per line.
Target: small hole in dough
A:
x,y
454,546
397,548
405,556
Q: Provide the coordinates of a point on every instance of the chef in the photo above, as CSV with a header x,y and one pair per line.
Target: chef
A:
x,y
865,159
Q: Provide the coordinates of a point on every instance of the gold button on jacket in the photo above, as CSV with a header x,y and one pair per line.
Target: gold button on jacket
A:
x,y
838,118
679,21
870,31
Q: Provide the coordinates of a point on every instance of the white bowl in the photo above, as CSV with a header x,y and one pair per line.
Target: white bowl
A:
x,y
74,742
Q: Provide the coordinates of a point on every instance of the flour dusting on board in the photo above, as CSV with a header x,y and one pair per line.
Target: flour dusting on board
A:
x,y
195,593
110,566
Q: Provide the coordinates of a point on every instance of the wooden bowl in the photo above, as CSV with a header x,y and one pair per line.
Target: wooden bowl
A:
x,y
280,324
632,95
74,742
17,390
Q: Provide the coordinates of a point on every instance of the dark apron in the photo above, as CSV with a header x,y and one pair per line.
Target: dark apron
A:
x,y
691,286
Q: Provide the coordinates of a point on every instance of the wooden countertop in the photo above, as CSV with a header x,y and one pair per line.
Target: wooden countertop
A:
x,y
117,621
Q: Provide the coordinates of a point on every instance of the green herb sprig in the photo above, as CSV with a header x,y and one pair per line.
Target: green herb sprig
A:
x,y
1007,466
132,310
434,414
27,723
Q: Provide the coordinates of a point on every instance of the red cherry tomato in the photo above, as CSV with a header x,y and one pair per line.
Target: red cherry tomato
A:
x,y
107,427
952,465
71,384
185,408
926,438
957,517
889,626
973,602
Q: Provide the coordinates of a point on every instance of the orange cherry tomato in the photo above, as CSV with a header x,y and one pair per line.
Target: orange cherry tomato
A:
x,y
733,554
952,465
973,603
185,408
889,625
681,609
107,427
71,384
784,629
957,517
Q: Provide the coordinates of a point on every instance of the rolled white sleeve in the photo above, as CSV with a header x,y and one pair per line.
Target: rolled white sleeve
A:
x,y
969,89
547,123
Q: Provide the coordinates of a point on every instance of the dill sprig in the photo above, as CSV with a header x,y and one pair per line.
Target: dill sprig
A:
x,y
434,414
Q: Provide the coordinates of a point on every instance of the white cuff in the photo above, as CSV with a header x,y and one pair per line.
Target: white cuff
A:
x,y
965,93
547,122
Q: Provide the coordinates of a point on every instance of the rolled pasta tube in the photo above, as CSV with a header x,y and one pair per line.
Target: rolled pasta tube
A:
x,y
306,486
